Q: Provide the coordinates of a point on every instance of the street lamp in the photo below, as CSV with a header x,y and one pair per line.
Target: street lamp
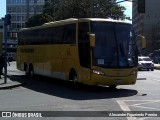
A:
x,y
35,5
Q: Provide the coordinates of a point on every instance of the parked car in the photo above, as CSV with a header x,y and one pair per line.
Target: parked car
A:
x,y
145,63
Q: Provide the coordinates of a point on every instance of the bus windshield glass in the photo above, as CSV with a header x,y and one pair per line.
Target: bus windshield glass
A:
x,y
115,45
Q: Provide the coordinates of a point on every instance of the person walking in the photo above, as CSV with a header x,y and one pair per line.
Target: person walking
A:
x,y
2,63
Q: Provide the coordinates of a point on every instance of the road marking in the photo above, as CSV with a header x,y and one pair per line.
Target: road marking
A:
x,y
125,107
144,118
156,80
146,102
146,107
141,100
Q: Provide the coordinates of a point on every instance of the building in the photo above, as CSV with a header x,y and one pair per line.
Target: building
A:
x,y
1,34
21,10
1,25
11,43
156,36
144,22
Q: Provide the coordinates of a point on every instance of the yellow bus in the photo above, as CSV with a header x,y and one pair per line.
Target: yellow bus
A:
x,y
91,51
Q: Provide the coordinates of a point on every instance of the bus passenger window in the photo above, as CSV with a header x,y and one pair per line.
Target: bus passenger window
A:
x,y
70,34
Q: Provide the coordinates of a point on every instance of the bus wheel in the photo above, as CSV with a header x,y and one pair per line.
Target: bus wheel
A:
x,y
112,87
26,71
73,76
31,71
10,59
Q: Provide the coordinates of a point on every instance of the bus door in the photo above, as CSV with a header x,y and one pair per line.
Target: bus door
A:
x,y
84,51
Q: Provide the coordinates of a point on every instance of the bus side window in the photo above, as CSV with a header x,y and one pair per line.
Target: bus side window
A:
x,y
58,35
70,34
50,36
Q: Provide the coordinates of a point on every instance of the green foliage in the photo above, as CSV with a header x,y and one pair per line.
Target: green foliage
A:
x,y
63,9
38,19
82,9
73,9
108,9
50,7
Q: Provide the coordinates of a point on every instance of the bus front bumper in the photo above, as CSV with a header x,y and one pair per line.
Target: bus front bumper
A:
x,y
107,81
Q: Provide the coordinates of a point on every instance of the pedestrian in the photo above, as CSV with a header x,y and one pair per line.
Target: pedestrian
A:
x,y
2,63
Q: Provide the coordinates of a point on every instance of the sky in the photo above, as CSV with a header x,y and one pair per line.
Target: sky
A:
x,y
128,6
2,8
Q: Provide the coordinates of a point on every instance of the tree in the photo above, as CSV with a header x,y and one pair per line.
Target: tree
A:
x,y
108,9
73,9
82,8
63,9
50,7
46,16
38,19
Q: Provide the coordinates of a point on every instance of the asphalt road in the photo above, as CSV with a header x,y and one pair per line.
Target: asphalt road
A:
x,y
45,94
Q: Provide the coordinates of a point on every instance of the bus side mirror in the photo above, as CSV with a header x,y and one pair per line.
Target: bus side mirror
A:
x,y
141,42
92,40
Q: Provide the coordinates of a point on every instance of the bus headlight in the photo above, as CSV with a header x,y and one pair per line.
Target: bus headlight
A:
x,y
139,64
98,72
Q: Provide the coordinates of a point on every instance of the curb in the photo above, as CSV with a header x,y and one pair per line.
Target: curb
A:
x,y
12,86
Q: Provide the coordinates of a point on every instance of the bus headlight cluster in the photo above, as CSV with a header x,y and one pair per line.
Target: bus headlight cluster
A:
x,y
98,72
139,64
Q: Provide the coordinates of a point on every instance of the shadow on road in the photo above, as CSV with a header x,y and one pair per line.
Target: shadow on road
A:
x,y
66,89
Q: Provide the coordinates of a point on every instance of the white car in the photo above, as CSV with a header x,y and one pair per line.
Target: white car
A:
x,y
144,62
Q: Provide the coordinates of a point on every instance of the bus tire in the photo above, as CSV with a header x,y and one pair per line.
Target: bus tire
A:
x,y
73,76
31,70
10,59
26,69
112,87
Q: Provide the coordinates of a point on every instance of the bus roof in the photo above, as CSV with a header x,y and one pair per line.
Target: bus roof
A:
x,y
102,19
74,20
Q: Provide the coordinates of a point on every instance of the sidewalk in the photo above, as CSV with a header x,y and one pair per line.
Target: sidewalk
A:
x,y
11,70
10,84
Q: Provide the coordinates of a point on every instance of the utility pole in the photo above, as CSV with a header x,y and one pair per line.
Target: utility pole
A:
x,y
7,21
35,7
54,9
5,52
27,10
92,8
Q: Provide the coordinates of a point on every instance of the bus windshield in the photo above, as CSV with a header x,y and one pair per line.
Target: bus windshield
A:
x,y
115,45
